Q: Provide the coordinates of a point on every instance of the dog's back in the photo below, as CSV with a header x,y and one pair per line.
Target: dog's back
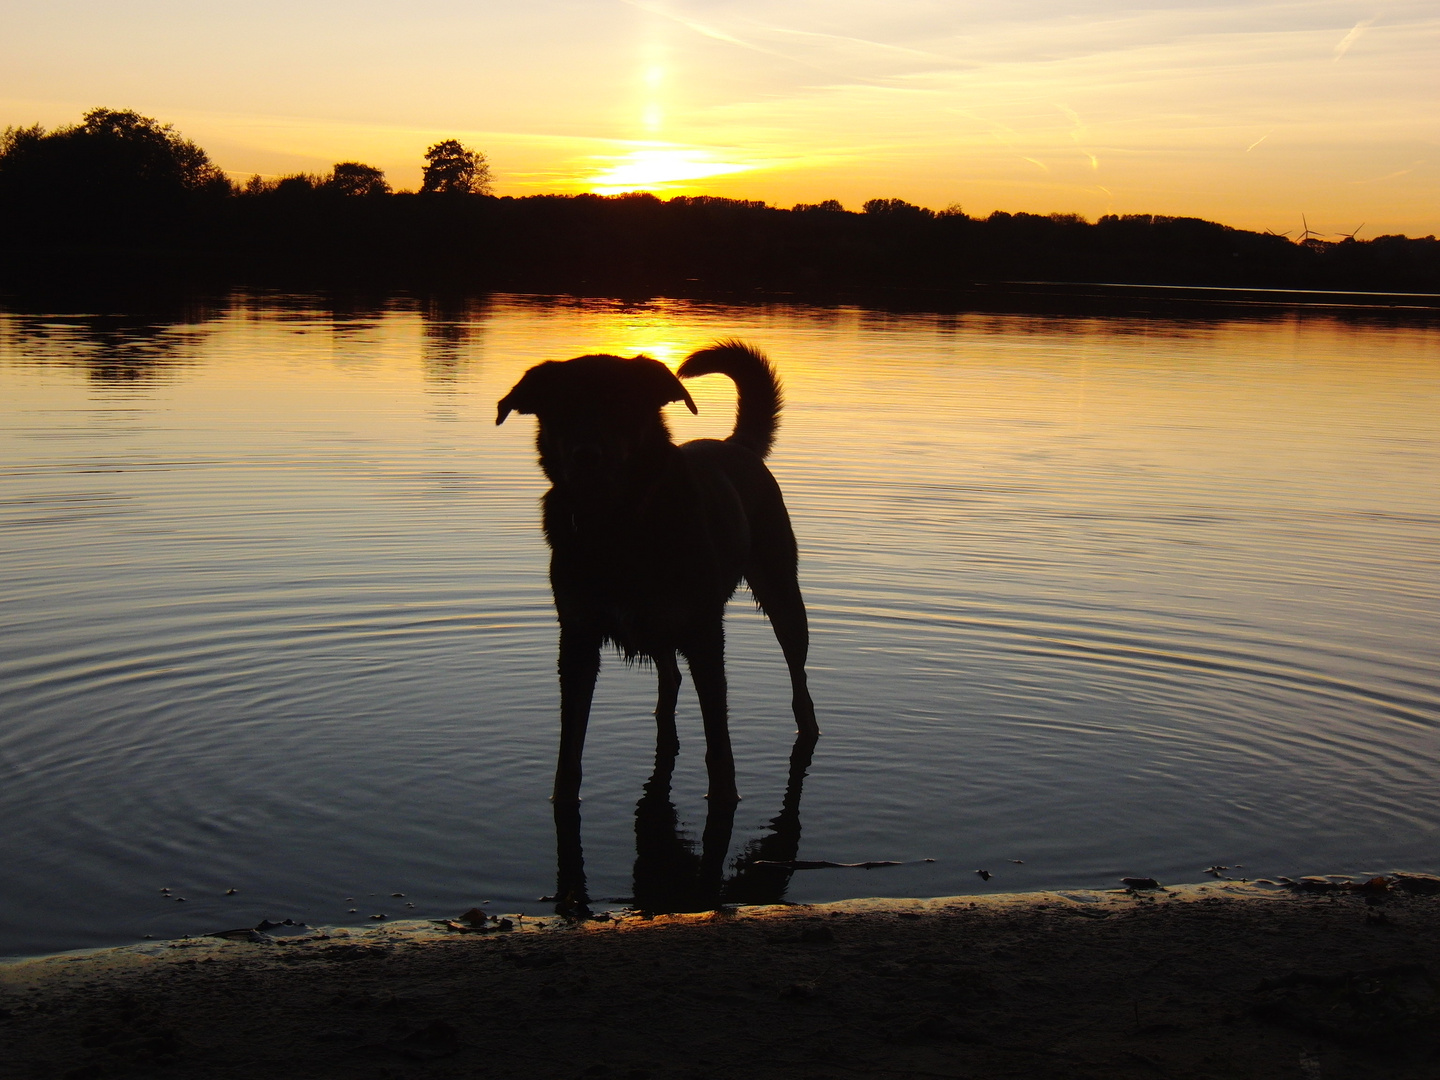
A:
x,y
736,463
739,491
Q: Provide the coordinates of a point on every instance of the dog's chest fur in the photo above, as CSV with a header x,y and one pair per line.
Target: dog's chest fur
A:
x,y
650,569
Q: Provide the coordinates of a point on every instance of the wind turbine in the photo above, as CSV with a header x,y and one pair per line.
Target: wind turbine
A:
x,y
1351,234
1306,233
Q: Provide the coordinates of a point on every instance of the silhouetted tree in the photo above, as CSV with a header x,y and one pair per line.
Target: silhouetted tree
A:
x,y
110,148
833,206
353,178
18,141
297,184
897,208
454,168
713,201
115,175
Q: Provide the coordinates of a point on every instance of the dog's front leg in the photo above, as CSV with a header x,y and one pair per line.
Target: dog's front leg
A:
x,y
706,656
579,666
666,738
571,898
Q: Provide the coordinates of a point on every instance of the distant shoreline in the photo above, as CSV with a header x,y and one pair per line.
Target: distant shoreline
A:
x,y
120,193
1235,294
138,292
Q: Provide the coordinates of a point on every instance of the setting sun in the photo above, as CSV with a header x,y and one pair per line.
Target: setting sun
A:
x,y
658,168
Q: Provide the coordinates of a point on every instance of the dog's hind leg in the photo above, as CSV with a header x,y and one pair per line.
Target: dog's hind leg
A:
x,y
778,594
669,677
579,667
706,657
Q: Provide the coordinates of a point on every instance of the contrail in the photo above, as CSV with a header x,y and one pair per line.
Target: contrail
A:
x,y
706,30
1353,36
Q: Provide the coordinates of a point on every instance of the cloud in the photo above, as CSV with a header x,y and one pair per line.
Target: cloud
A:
x,y
1356,33
865,43
713,32
1387,176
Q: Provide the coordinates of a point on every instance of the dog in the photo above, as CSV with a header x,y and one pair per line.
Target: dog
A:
x,y
649,540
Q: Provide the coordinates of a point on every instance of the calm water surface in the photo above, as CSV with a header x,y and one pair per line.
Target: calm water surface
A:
x,y
1089,597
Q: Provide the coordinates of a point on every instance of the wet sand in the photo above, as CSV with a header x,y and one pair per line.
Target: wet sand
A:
x,y
1214,981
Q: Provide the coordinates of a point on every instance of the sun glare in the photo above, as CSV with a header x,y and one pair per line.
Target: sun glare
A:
x,y
658,169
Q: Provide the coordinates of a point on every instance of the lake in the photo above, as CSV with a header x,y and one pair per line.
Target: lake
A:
x,y
1089,597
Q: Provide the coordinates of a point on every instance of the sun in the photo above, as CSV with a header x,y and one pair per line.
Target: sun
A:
x,y
659,168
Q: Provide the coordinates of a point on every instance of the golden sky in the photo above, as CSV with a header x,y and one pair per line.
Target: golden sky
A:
x,y
1248,113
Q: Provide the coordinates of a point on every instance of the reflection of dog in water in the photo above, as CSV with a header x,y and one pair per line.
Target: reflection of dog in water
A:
x,y
675,873
649,540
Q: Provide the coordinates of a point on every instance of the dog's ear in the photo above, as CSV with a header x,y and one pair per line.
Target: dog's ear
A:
x,y
528,395
667,387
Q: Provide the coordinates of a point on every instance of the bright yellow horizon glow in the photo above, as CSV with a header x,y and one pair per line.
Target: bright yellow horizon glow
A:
x,y
658,169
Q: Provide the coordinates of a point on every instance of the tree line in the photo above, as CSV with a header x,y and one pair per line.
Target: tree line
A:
x,y
121,189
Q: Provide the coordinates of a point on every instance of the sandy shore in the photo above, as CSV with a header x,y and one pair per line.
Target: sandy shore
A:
x,y
1206,981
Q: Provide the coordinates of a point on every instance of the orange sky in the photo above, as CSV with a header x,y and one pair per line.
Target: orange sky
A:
x,y
1251,114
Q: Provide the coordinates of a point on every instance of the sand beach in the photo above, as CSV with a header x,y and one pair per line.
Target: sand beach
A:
x,y
1218,980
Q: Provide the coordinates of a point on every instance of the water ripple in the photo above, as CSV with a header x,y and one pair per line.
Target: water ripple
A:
x,y
1100,595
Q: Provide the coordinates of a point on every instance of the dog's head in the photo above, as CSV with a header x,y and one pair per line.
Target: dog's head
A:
x,y
598,414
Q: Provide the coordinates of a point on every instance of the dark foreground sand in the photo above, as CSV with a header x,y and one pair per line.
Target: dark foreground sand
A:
x,y
1222,982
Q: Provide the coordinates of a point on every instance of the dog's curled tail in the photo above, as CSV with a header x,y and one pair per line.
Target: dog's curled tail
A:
x,y
757,416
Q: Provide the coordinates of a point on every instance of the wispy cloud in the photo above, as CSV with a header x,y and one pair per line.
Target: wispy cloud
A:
x,y
866,43
1388,176
714,32
1356,33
